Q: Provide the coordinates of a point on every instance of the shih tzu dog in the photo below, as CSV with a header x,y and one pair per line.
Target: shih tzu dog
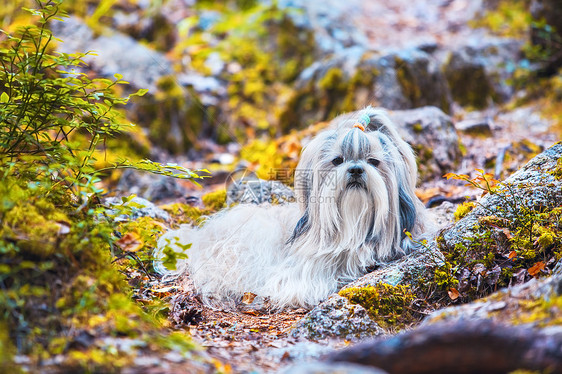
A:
x,y
355,196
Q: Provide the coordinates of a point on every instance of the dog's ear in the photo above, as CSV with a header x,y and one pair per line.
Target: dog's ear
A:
x,y
407,209
381,123
310,156
303,225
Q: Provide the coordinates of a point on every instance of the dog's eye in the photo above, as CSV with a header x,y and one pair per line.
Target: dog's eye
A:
x,y
374,162
337,161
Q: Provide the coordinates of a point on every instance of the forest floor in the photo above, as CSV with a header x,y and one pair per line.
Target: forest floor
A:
x,y
251,340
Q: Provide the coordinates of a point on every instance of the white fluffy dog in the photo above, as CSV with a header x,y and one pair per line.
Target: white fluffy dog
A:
x,y
355,199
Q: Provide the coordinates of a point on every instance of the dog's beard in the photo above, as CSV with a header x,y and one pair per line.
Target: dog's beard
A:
x,y
346,218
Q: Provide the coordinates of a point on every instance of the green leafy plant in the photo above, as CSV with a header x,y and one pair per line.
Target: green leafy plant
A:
x,y
46,99
58,243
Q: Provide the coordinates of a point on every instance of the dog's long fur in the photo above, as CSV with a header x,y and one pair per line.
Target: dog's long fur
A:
x,y
355,199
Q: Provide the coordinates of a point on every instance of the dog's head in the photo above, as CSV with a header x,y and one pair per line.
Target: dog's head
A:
x,y
357,178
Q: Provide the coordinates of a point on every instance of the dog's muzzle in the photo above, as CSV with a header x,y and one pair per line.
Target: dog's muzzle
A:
x,y
355,177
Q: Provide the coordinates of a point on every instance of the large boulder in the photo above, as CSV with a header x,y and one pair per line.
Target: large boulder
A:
x,y
433,136
356,77
174,113
511,235
337,317
479,74
527,303
113,53
514,328
333,28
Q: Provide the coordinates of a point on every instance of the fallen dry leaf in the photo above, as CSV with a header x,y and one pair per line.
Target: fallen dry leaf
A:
x,y
536,268
453,293
64,227
248,298
130,242
164,290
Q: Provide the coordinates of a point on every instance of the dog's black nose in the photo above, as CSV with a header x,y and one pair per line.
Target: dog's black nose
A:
x,y
355,170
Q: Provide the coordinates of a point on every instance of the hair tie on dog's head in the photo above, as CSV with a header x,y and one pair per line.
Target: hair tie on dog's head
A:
x,y
362,122
359,126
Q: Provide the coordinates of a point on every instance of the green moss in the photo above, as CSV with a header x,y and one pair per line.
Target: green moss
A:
x,y
60,280
389,306
173,115
408,82
7,352
542,312
184,213
332,79
557,172
215,200
470,86
463,209
443,277
268,50
331,94
277,159
424,155
417,127
359,89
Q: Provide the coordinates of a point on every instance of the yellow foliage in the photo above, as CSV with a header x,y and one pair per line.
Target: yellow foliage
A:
x,y
510,18
463,209
215,200
277,159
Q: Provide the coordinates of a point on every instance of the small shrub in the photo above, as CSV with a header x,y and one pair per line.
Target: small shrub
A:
x,y
57,269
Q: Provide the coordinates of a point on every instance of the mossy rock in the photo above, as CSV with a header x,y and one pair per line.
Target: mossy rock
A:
x,y
388,305
421,81
356,78
215,200
264,51
174,115
433,137
463,209
512,235
184,213
62,285
477,76
469,83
